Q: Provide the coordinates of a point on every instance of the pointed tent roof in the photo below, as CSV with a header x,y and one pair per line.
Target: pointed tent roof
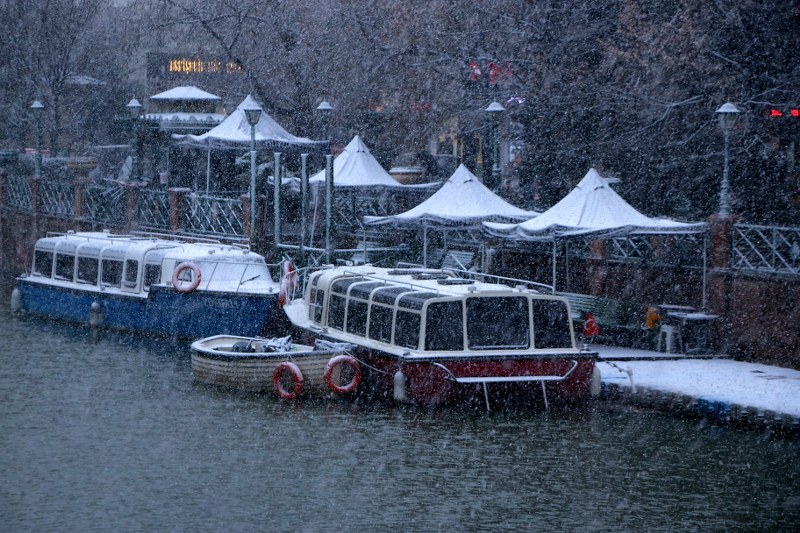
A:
x,y
188,92
463,200
234,133
356,167
592,208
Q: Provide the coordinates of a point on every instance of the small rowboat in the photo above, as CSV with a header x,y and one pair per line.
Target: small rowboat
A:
x,y
262,364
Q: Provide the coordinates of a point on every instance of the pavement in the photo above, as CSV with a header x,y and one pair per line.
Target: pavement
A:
x,y
712,383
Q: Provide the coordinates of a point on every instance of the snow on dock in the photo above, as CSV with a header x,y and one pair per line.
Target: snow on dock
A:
x,y
714,387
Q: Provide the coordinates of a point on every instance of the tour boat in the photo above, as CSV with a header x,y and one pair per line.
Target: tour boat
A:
x,y
149,284
430,337
262,364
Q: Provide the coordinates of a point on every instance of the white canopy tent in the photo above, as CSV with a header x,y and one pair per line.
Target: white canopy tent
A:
x,y
356,167
463,202
233,133
592,210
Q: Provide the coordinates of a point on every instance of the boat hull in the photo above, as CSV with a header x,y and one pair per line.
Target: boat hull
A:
x,y
507,381
162,311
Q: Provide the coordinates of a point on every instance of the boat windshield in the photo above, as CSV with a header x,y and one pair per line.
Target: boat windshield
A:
x,y
551,324
498,323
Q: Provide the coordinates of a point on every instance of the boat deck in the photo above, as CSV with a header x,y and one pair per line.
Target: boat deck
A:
x,y
711,386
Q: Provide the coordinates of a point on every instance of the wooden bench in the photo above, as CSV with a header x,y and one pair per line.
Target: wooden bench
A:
x,y
619,320
458,260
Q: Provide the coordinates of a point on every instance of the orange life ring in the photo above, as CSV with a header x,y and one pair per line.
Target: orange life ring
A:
x,y
342,360
297,378
178,284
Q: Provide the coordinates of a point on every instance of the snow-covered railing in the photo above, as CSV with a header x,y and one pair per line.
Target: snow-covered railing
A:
x,y
206,215
57,198
152,209
768,249
18,193
105,204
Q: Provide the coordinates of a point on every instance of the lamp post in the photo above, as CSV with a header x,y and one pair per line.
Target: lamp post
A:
x,y
135,109
38,108
727,113
495,110
324,109
253,113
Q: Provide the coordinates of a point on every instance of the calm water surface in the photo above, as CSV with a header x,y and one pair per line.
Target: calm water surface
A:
x,y
111,434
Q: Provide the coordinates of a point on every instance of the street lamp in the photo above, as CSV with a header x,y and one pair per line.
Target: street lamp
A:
x,y
135,109
38,108
727,113
495,110
253,113
324,109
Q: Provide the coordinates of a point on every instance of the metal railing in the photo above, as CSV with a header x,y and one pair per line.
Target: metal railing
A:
x,y
18,193
57,198
153,209
767,249
105,205
206,215
757,249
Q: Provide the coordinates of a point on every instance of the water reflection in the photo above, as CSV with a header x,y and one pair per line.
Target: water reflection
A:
x,y
110,433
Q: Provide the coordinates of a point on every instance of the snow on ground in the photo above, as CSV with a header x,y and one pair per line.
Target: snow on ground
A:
x,y
746,384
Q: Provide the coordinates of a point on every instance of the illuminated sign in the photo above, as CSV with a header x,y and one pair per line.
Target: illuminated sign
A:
x,y
178,65
198,66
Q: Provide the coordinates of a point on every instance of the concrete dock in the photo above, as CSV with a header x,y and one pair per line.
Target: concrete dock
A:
x,y
717,388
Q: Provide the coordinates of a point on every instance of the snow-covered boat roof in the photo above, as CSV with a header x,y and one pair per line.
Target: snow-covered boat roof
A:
x,y
594,209
462,201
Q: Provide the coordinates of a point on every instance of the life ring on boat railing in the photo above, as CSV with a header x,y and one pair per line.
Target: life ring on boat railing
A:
x,y
297,380
179,285
336,361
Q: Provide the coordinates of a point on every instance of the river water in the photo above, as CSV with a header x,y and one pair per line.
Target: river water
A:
x,y
109,433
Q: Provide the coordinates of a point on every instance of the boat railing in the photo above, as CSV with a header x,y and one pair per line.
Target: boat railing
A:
x,y
303,273
493,278
484,381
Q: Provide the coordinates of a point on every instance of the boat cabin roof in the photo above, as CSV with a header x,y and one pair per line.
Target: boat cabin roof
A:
x,y
108,246
416,283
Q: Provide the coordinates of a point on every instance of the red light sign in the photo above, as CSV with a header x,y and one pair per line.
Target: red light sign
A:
x,y
796,112
775,113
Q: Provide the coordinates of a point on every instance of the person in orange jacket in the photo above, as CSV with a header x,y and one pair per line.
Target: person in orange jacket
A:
x,y
591,329
652,319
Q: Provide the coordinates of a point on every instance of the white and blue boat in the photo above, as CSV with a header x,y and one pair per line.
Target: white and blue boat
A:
x,y
149,284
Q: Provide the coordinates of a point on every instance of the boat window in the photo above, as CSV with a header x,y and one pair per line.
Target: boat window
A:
x,y
65,266
551,323
88,268
444,326
112,272
498,323
340,285
380,323
336,311
131,272
363,290
406,329
43,263
315,305
388,295
152,275
415,300
357,317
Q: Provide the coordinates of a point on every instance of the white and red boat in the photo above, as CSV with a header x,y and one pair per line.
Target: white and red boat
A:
x,y
432,337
